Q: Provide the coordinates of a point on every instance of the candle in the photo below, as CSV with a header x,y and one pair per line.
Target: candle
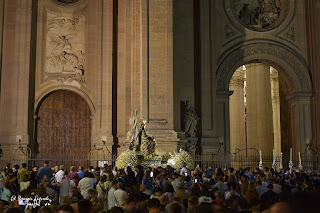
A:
x,y
281,159
299,158
260,155
274,156
290,154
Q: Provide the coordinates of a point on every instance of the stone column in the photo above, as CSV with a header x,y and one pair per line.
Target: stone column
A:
x,y
16,31
222,140
259,108
237,120
300,121
159,84
276,110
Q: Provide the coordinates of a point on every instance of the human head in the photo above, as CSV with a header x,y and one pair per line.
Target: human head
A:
x,y
116,209
61,167
280,207
65,209
24,165
119,185
142,187
84,206
72,168
46,162
154,205
131,203
45,209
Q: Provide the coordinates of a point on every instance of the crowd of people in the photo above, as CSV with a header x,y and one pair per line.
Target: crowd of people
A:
x,y
154,190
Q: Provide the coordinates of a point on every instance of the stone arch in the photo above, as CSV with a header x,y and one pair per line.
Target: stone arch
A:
x,y
288,62
49,90
274,54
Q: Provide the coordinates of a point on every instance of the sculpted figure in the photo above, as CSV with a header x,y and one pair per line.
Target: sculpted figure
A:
x,y
191,120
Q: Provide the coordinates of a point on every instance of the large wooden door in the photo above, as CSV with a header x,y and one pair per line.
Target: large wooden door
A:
x,y
63,126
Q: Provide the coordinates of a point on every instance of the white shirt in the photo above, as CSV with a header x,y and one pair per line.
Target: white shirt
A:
x,y
85,184
59,175
111,198
120,196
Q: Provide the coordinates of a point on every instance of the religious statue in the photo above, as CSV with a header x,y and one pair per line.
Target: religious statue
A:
x,y
141,143
190,121
191,146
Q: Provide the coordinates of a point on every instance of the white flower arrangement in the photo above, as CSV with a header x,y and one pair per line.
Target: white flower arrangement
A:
x,y
182,157
128,156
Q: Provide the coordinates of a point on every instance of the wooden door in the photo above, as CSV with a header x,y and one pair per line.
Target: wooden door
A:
x,y
64,126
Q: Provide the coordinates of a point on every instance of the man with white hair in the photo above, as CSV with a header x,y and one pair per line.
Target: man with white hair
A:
x,y
60,174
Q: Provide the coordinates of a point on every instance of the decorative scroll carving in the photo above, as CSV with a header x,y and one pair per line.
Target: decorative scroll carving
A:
x,y
65,45
265,51
260,15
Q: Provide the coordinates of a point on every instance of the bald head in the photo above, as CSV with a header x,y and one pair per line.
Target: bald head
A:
x,y
280,207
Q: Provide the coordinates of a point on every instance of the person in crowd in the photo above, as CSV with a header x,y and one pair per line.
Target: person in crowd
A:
x,y
181,193
6,193
24,184
84,206
65,192
65,209
154,206
221,186
72,174
81,172
22,172
101,189
149,184
120,195
112,202
141,195
85,184
44,171
60,174
131,204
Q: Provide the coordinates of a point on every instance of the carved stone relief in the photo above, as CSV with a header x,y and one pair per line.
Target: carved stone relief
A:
x,y
260,15
65,48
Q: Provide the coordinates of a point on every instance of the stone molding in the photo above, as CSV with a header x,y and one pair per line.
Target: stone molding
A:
x,y
261,51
